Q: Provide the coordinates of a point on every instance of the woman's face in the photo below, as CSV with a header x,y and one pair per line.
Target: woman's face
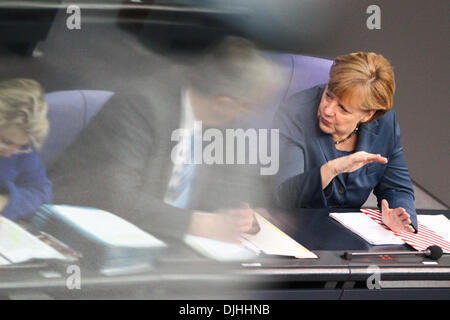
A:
x,y
13,140
339,118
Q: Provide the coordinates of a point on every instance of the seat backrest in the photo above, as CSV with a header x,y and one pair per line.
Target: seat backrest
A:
x,y
308,72
69,112
298,73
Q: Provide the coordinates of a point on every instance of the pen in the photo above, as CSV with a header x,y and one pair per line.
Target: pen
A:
x,y
276,256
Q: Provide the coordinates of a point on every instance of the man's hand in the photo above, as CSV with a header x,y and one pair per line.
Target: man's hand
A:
x,y
226,225
396,219
244,219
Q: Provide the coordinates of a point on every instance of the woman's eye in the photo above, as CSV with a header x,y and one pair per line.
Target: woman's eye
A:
x,y
343,109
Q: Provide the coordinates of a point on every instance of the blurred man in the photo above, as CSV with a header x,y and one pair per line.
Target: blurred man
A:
x,y
123,162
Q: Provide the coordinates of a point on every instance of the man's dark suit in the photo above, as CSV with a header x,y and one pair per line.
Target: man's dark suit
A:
x,y
119,164
122,163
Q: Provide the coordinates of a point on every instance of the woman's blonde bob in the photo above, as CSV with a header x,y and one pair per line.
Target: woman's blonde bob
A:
x,y
368,75
22,105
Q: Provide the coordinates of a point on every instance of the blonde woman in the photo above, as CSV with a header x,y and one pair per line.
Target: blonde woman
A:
x,y
341,141
24,186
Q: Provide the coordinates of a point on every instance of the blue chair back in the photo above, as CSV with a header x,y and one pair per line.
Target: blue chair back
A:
x,y
69,112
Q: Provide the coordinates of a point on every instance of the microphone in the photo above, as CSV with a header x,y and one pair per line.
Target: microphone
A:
x,y
432,252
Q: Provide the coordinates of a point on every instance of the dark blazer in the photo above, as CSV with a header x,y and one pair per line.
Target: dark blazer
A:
x,y
121,162
304,148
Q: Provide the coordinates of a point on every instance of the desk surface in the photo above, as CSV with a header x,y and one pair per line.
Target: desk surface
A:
x,y
181,273
314,229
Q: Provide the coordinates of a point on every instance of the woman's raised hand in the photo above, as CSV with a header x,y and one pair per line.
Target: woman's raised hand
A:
x,y
355,161
348,163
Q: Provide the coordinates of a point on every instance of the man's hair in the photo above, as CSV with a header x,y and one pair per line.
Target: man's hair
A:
x,y
235,68
367,74
22,104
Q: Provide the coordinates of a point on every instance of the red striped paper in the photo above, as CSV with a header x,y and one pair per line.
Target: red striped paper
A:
x,y
419,241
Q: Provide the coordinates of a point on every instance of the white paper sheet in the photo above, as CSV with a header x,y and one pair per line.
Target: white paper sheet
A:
x,y
4,262
438,223
219,250
18,245
272,240
107,227
366,228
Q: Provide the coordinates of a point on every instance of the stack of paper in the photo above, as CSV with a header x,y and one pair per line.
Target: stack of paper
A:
x,y
219,250
273,241
430,233
106,241
18,245
269,240
101,225
366,228
438,223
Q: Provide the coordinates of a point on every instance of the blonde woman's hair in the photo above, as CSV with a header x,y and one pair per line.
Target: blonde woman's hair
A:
x,y
367,74
22,105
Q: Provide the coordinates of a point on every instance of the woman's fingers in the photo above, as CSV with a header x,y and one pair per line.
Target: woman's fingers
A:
x,y
371,157
384,205
357,160
405,221
380,158
398,220
404,217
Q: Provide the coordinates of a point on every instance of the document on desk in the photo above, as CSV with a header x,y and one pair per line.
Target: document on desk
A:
x,y
432,230
104,226
3,261
438,223
272,241
219,250
366,228
18,245
269,240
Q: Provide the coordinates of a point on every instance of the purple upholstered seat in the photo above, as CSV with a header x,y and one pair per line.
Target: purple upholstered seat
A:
x,y
298,73
69,112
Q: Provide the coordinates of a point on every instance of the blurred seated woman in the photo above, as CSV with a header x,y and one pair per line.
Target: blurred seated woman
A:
x,y
24,186
341,141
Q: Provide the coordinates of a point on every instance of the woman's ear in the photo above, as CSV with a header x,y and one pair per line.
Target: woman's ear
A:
x,y
368,115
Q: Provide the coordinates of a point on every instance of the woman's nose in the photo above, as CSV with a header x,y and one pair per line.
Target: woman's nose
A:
x,y
330,108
